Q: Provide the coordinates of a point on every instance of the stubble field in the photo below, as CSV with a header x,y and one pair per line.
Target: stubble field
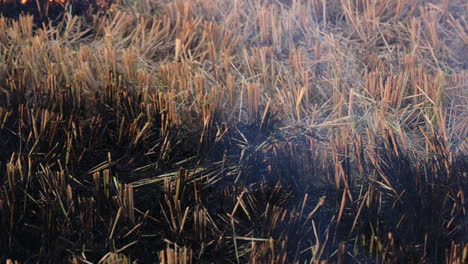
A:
x,y
235,131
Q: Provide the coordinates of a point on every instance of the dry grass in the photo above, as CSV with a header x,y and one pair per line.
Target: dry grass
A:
x,y
236,131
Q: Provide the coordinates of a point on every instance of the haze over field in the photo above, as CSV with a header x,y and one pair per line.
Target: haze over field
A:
x,y
234,131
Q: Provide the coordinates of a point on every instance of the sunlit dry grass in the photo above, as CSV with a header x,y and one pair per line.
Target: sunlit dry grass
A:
x,y
235,131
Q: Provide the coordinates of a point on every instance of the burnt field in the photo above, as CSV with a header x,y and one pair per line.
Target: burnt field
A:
x,y
233,131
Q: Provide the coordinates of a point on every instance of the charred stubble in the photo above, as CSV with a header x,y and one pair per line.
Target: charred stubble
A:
x,y
233,132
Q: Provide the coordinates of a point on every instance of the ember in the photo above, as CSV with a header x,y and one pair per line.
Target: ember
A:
x,y
49,9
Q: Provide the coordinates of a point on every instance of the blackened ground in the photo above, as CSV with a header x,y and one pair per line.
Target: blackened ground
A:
x,y
45,10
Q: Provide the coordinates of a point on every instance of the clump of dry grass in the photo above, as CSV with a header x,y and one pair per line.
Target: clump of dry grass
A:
x,y
236,132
